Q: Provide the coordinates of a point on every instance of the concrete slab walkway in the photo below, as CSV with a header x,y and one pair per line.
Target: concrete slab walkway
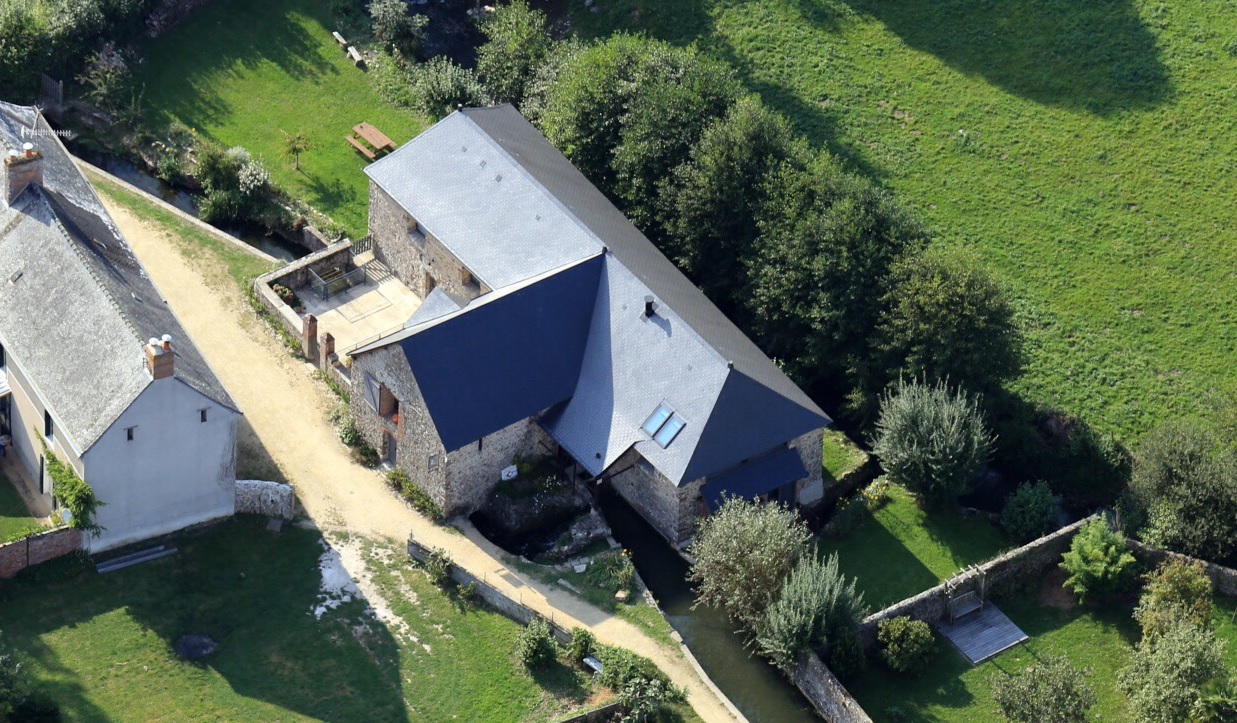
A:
x,y
286,409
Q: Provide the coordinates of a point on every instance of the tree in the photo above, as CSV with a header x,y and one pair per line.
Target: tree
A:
x,y
743,554
817,606
440,87
1098,561
294,145
712,203
1176,591
1185,489
946,317
517,42
1052,691
1168,674
931,439
535,646
394,26
828,241
1030,512
627,111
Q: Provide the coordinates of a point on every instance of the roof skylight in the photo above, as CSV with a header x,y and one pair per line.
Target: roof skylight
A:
x,y
663,425
656,419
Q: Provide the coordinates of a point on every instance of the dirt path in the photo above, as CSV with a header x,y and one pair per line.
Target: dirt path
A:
x,y
287,409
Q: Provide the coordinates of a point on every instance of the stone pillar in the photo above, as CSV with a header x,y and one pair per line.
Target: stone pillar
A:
x,y
327,349
309,337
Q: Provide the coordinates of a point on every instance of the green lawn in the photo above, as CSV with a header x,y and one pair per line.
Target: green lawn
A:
x,y
841,455
101,644
902,550
241,72
15,519
951,690
1081,148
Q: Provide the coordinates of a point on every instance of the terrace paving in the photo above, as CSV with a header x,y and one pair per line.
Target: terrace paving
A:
x,y
375,308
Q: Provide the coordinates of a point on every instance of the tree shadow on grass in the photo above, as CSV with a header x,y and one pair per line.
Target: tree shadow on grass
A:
x,y
886,570
331,192
1099,57
182,68
249,589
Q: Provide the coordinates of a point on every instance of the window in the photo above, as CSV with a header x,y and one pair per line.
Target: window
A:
x,y
656,419
48,427
129,433
663,425
3,358
669,431
202,415
433,461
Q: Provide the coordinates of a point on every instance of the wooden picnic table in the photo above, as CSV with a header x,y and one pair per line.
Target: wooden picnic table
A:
x,y
374,137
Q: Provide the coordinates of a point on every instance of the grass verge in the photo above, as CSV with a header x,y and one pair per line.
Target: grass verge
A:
x,y
15,519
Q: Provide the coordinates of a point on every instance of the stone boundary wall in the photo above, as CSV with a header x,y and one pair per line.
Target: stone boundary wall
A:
x,y
17,556
828,696
261,497
513,609
1002,573
1223,578
295,276
604,714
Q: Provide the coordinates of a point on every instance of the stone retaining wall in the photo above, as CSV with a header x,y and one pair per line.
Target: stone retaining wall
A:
x,y
1000,574
260,497
36,549
1223,578
295,276
604,714
828,696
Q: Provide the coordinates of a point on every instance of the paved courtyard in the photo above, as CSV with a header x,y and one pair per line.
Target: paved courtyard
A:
x,y
375,308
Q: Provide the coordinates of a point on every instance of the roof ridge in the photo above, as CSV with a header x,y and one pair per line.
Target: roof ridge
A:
x,y
80,255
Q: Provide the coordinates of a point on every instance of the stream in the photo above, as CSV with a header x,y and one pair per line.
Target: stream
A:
x,y
756,688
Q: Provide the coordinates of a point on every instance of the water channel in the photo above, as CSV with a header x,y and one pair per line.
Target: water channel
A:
x,y
258,238
756,688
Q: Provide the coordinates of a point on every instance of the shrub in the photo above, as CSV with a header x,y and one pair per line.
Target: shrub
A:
x,y
535,646
581,646
73,493
931,439
817,606
171,166
397,478
743,553
107,79
516,43
349,432
419,498
1098,561
468,594
612,571
1168,674
366,455
287,296
876,494
1052,691
1030,512
437,566
1185,486
907,646
440,87
640,686
395,27
1176,591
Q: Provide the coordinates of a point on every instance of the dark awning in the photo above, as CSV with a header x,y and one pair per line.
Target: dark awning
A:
x,y
755,478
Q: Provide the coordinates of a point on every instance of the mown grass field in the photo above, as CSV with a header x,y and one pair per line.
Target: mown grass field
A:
x,y
242,73
1101,638
101,645
1083,149
901,550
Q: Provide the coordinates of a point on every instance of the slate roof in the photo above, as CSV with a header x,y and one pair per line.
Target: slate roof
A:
x,y
465,362
438,303
480,204
737,404
78,316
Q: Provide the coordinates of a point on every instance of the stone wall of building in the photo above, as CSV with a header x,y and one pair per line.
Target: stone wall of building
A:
x,y
475,469
414,256
672,511
811,450
262,497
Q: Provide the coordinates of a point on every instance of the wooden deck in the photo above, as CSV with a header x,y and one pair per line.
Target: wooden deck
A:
x,y
983,634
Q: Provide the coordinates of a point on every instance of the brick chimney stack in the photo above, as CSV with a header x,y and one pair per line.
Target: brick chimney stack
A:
x,y
160,360
21,168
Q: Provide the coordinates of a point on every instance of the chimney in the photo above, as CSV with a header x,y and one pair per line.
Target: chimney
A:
x,y
650,306
22,168
159,357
